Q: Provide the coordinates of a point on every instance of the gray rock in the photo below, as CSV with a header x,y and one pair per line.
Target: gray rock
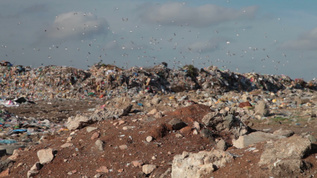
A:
x,y
207,134
261,109
195,165
285,168
207,120
45,155
284,133
78,122
99,144
90,129
148,168
294,147
252,138
177,124
221,145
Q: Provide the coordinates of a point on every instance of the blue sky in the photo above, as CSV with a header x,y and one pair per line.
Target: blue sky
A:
x,y
267,37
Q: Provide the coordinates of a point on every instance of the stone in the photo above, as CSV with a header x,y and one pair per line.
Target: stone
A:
x,y
294,147
186,130
15,155
152,112
207,119
99,144
149,138
283,133
66,145
177,124
287,167
95,136
123,147
207,134
261,109
148,168
253,138
130,127
102,169
90,129
221,145
195,165
137,163
196,125
45,155
78,122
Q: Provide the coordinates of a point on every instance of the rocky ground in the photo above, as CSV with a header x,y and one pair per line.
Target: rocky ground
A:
x,y
194,134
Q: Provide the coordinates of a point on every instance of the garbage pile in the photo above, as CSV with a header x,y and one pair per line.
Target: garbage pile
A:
x,y
106,81
22,131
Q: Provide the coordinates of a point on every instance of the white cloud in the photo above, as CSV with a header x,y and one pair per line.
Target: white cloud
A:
x,y
77,25
202,16
306,41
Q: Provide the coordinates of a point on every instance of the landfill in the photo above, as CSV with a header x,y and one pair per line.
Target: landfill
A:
x,y
37,103
106,81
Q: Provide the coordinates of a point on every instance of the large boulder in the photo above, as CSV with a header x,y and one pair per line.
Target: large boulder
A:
x,y
195,165
253,138
295,147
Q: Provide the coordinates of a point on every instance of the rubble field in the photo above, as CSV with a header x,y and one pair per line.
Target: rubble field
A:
x,y
155,122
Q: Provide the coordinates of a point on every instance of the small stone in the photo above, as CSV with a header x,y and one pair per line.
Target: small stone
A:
x,y
149,138
66,145
221,145
152,112
123,147
102,169
128,127
196,125
15,155
95,136
69,139
178,135
99,144
186,130
137,163
148,168
90,129
121,122
154,157
45,155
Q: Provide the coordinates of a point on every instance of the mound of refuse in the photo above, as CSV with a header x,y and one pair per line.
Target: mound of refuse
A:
x,y
103,80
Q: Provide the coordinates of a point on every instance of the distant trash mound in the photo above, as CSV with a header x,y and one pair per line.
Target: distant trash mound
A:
x,y
103,80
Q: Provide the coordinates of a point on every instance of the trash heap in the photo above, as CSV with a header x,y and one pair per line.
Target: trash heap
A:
x,y
106,81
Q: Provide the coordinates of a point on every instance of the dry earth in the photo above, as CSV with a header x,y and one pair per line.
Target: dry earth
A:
x,y
125,146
